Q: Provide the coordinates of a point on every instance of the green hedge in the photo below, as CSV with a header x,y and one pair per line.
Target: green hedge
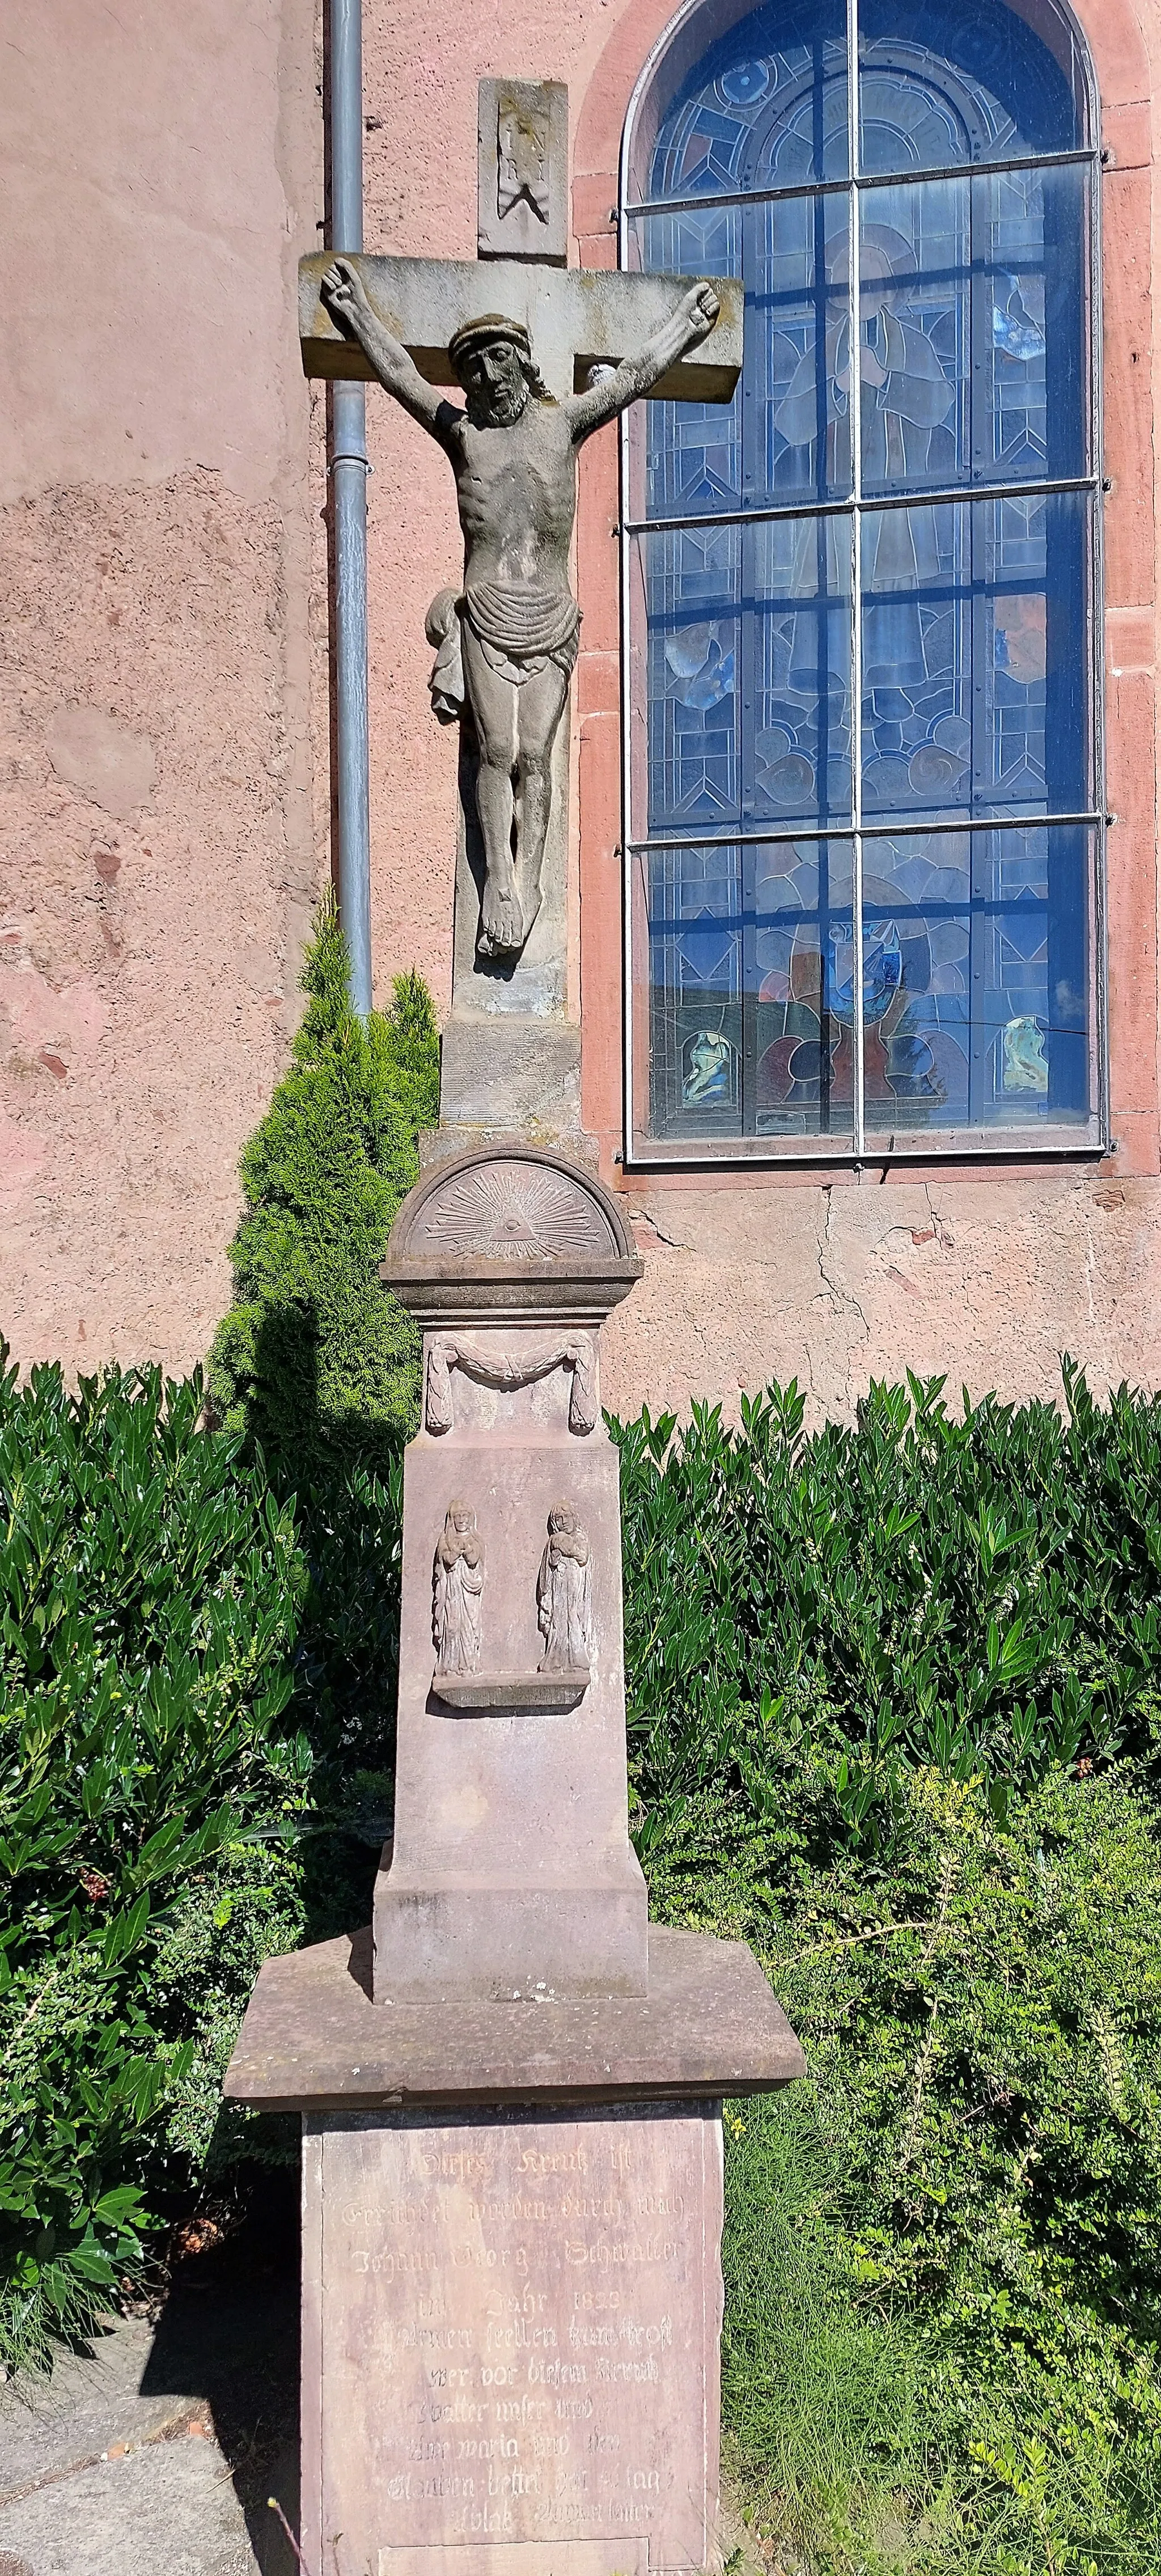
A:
x,y
978,1594
894,1695
149,1593
943,2253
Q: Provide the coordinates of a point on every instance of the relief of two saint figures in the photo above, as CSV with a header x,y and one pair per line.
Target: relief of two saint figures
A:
x,y
563,1593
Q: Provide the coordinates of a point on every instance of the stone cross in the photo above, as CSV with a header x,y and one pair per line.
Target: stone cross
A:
x,y
512,2085
576,318
545,355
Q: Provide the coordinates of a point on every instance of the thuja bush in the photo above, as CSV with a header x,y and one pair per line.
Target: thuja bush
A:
x,y
978,1595
316,1360
151,1586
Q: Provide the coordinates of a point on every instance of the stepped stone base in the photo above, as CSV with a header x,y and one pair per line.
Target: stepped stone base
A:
x,y
313,2039
511,2260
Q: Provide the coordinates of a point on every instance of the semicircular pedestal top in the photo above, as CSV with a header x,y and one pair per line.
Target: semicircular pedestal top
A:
x,y
511,1227
515,1211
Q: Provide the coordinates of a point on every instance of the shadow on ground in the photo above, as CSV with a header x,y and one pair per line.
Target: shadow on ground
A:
x,y
229,2335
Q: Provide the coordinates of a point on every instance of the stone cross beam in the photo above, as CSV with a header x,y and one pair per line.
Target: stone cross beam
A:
x,y
576,318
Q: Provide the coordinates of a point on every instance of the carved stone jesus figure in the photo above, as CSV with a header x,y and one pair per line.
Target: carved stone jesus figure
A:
x,y
457,1582
513,452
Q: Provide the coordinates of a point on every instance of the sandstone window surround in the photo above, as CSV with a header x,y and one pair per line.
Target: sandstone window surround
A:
x,y
862,608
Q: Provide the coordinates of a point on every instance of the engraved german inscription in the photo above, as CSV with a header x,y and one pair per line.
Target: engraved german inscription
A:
x,y
520,2332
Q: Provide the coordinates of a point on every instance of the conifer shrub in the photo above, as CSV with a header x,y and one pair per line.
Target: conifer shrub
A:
x,y
316,1360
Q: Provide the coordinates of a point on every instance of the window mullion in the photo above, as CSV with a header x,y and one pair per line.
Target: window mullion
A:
x,y
854,414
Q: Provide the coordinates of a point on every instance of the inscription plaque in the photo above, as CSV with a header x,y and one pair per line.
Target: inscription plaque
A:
x,y
517,2326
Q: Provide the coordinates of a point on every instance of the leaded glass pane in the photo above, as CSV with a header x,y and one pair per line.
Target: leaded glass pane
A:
x,y
693,451
749,631
797,434
941,82
693,586
750,989
977,1011
767,107
972,306
803,982
974,695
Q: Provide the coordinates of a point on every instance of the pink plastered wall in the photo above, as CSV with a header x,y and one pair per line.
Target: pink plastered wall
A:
x,y
166,784
161,832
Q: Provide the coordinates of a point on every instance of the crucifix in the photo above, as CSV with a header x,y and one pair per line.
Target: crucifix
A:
x,y
544,355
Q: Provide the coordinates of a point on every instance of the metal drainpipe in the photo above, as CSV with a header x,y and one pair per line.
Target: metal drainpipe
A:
x,y
349,470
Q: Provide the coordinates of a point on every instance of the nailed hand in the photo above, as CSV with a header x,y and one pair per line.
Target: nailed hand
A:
x,y
701,308
344,294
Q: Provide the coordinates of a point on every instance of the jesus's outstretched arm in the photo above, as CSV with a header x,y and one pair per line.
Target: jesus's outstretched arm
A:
x,y
690,322
345,296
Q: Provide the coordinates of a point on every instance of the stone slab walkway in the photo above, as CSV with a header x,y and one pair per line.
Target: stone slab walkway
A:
x,y
155,2454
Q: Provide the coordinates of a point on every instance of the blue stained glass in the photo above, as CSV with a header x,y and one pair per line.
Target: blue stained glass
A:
x,y
972,340
942,82
973,695
972,310
746,989
987,1023
766,107
749,674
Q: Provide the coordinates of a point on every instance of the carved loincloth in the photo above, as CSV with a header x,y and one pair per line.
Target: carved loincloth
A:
x,y
521,628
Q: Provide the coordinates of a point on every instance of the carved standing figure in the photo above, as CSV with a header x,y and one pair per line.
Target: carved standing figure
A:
x,y
563,1604
513,453
458,1581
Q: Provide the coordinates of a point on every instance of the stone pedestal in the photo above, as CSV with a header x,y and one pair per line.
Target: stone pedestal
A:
x,y
511,1872
511,2087
511,2260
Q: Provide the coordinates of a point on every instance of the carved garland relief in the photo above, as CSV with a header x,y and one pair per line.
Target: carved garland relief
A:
x,y
508,1367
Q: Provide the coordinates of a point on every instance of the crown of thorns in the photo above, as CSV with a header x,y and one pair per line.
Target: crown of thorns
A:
x,y
488,326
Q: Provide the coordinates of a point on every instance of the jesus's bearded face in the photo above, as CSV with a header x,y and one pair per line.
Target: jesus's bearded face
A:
x,y
495,384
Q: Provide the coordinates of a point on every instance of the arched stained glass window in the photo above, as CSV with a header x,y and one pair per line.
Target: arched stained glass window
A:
x,y
864,792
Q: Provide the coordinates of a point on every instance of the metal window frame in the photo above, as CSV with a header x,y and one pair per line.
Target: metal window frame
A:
x,y
1085,1139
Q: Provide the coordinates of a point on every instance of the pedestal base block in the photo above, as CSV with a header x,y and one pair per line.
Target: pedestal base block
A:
x,y
507,1944
510,2349
511,2260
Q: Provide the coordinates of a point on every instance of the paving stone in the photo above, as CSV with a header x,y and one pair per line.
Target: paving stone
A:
x,y
168,2509
154,2454
58,2423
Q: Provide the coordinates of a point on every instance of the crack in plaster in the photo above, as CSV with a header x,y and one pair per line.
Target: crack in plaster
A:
x,y
644,1216
839,1295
